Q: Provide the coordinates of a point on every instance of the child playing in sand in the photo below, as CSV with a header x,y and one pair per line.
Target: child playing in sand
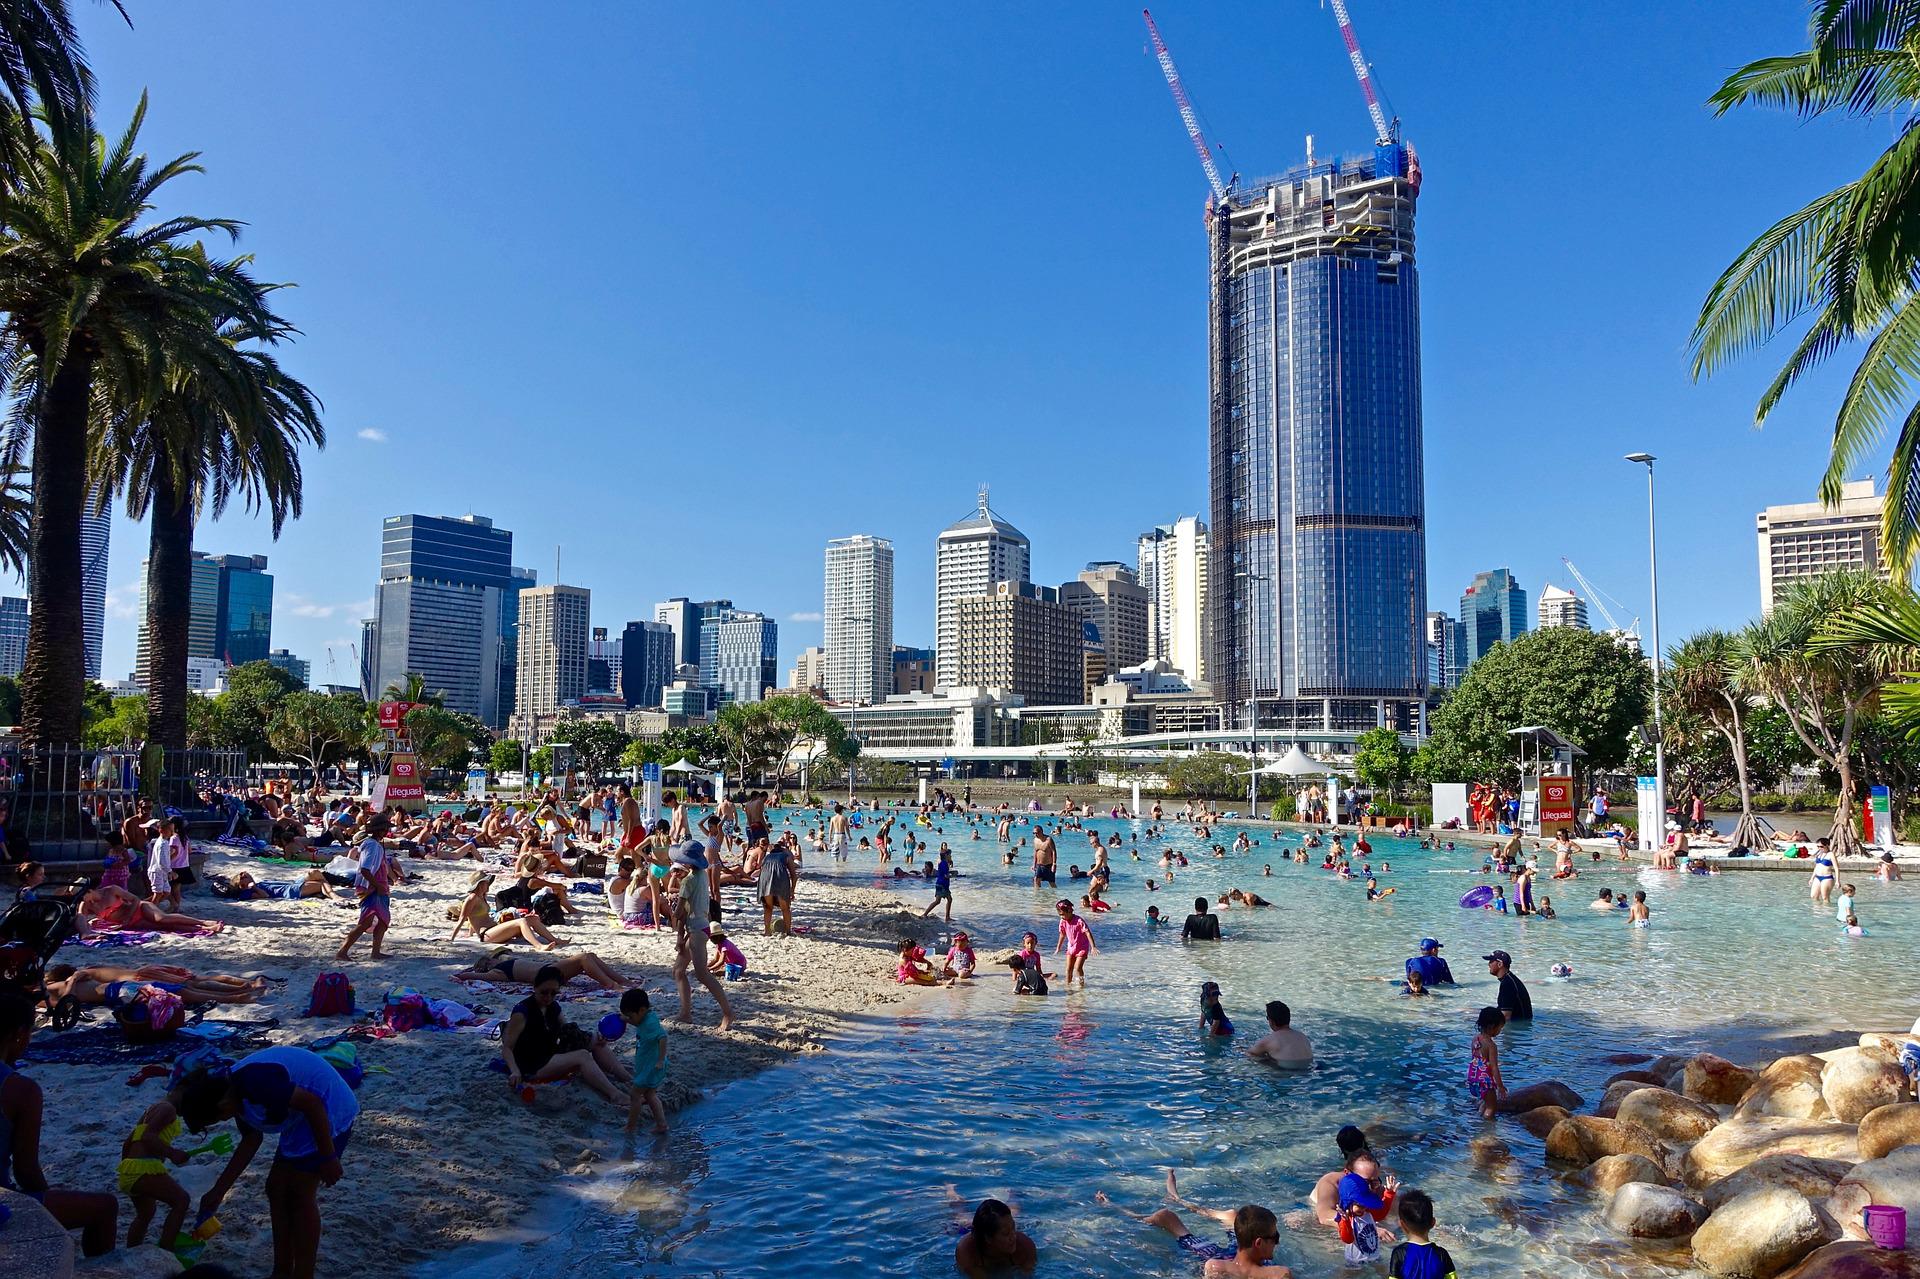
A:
x,y
728,959
143,1177
1483,1071
961,960
1076,938
914,970
1364,1201
1027,978
649,1059
1030,954
1417,1257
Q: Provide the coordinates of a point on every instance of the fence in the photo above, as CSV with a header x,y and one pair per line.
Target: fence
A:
x,y
60,796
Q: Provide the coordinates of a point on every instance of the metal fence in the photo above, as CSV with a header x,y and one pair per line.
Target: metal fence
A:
x,y
63,799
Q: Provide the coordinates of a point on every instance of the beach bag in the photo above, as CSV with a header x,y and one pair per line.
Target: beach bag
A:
x,y
152,1015
344,1057
406,1010
547,907
332,996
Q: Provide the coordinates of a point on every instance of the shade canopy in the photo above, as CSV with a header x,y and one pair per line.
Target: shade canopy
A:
x,y
683,765
1295,763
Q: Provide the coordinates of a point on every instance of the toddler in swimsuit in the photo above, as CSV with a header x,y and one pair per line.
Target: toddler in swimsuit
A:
x,y
143,1177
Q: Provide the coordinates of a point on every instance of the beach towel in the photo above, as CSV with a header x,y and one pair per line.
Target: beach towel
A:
x,y
100,941
103,1044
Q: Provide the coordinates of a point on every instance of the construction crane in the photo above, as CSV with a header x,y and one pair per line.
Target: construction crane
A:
x,y
1383,131
1599,599
1187,113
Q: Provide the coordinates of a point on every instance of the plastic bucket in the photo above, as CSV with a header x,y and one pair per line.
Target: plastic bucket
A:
x,y
1886,1225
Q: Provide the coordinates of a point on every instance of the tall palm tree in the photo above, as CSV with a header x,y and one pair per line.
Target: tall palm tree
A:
x,y
1702,679
202,443
1847,260
16,512
41,63
105,305
1893,624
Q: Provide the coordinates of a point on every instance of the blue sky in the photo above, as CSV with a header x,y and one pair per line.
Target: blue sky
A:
x,y
689,289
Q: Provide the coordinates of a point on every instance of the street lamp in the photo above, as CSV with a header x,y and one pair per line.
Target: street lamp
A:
x,y
1659,738
1253,724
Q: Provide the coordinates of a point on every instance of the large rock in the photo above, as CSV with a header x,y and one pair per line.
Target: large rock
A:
x,y
1581,1139
1668,1115
1609,1107
1548,1093
1647,1211
1742,1139
1879,1041
1887,1128
1790,1088
1540,1120
1759,1234
33,1245
1713,1079
1814,1178
1892,1179
1857,1080
1665,1065
1636,1077
1610,1172
1849,1259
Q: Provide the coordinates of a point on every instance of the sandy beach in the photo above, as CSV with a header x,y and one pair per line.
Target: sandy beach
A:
x,y
442,1153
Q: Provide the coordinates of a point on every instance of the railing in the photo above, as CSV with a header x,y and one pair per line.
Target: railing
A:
x,y
63,795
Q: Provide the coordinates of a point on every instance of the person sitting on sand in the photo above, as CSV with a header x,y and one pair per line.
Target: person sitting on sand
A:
x,y
993,1244
22,1110
115,909
537,1043
1282,1045
501,965
112,986
509,925
1248,1250
244,887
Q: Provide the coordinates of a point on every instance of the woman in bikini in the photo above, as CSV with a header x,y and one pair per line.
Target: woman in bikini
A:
x,y
500,965
108,909
509,925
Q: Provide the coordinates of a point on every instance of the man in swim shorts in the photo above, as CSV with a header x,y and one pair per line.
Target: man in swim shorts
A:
x,y
1045,858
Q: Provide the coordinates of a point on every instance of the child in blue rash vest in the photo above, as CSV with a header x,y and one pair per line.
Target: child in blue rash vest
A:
x,y
1213,1018
1362,1208
1416,1257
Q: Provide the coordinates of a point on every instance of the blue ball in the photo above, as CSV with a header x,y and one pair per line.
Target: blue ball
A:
x,y
612,1026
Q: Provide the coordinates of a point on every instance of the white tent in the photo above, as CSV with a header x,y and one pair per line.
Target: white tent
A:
x,y
1297,763
684,765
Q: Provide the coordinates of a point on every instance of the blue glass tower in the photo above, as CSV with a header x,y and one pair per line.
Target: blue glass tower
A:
x,y
1317,577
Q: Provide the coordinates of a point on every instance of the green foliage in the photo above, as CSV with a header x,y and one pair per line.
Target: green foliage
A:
x,y
240,716
1207,775
125,724
440,738
1381,759
763,736
1584,686
504,757
316,729
597,744
9,702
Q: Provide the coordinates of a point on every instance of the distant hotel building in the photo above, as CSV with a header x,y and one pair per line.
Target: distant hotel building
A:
x,y
1493,610
857,619
95,537
1109,598
13,635
442,607
912,670
1562,608
970,558
647,660
1808,538
1019,638
739,655
1444,640
553,648
1171,565
230,618
809,672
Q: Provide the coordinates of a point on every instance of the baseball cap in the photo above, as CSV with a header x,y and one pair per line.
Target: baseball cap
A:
x,y
1428,943
1500,955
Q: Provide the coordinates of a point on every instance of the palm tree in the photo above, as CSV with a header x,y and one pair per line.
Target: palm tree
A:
x,y
202,444
16,512
41,63
1848,259
110,310
1702,680
1894,625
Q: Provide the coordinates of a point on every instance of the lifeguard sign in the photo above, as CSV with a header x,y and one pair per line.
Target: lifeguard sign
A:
x,y
393,715
404,785
1556,801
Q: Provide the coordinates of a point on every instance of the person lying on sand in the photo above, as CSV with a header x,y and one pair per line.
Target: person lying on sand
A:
x,y
104,984
244,887
116,908
509,925
501,965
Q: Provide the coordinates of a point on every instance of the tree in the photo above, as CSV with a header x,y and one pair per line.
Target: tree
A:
x,y
751,737
42,65
9,701
1701,683
316,729
505,757
541,762
1585,687
439,737
1848,259
1207,775
109,309
125,724
1382,760
597,745
241,714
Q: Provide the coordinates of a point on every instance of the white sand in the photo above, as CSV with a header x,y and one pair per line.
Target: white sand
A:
x,y
443,1154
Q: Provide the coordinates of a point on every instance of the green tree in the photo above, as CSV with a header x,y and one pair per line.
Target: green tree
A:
x,y
317,729
439,737
241,713
1207,775
1382,760
9,701
42,66
1701,686
16,517
541,762
1848,260
1585,687
504,757
597,745
124,725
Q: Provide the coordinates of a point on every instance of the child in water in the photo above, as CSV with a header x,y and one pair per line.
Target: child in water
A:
x,y
1364,1203
1076,938
1844,907
1213,1018
1416,985
960,957
1375,892
914,969
1499,902
1154,918
1026,980
1853,927
1637,914
1030,954
1546,909
1483,1071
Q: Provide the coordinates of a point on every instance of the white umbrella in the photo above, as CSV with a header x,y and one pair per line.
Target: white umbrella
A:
x,y
1297,763
683,765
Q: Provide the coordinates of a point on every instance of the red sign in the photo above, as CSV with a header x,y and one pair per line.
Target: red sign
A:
x,y
403,780
394,714
1556,800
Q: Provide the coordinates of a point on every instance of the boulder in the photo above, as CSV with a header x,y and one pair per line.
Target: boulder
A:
x,y
144,1262
1713,1079
1581,1139
1668,1115
1891,1179
1879,1041
1540,1120
1610,1172
1857,1080
1760,1233
33,1245
1850,1259
1548,1093
1626,1059
1667,1064
1743,1139
1790,1088
1636,1077
1645,1211
1814,1178
1609,1107
1887,1128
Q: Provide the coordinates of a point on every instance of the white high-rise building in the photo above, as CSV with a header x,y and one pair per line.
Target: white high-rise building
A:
x,y
970,558
1561,608
858,619
1172,567
1807,539
1444,641
94,536
552,669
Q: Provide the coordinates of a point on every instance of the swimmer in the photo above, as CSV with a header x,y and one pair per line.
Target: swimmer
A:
x,y
1603,902
1546,910
1415,985
1853,927
1637,914
1213,1017
1249,1251
1375,892
1154,918
1820,887
994,1244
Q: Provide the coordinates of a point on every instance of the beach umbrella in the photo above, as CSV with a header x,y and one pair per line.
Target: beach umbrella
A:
x,y
683,765
1297,763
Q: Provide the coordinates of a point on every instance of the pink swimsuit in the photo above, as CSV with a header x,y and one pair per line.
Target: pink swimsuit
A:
x,y
1079,940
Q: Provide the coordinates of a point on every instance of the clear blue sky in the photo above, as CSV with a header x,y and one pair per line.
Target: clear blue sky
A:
x,y
689,289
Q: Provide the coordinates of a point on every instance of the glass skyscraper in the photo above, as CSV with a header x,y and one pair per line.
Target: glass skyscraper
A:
x,y
1317,586
440,608
230,617
739,654
1493,610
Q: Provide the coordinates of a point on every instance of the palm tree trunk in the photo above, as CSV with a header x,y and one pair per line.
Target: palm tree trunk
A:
x,y
169,611
54,677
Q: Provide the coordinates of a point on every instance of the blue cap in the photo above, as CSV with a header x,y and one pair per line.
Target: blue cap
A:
x,y
1428,943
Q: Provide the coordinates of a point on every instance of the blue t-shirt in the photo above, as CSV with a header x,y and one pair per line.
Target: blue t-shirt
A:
x,y
266,1081
1432,969
943,874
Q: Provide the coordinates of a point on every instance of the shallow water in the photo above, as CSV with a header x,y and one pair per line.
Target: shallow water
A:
x,y
865,1159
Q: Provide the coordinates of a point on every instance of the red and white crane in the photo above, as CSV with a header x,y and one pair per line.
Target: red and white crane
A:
x,y
1382,128
1187,113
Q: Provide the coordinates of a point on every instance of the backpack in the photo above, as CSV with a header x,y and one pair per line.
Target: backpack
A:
x,y
405,1010
341,1053
332,996
547,907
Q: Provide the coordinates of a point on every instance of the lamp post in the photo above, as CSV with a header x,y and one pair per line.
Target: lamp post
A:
x,y
1253,723
1659,737
853,708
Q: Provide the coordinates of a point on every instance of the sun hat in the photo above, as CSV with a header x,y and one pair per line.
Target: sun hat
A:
x,y
692,854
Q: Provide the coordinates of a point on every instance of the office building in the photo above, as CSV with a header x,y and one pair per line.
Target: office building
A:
x,y
809,672
1807,539
518,579
970,557
688,699
686,618
298,667
603,663
206,675
739,654
1316,580
857,620
1493,610
1021,639
647,661
230,611
1444,640
95,537
552,671
439,609
13,635
912,670
1108,597
369,657
1561,608
1171,566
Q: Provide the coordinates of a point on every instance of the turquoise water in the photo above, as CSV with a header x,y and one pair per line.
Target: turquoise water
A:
x,y
853,1163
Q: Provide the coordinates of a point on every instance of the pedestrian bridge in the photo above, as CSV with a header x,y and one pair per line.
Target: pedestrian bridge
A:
x,y
1143,748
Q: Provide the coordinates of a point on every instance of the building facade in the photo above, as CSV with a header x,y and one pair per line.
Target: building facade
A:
x,y
1561,608
1108,597
298,667
1807,539
912,670
857,618
1171,565
648,655
970,557
739,654
1317,558
552,670
809,672
230,611
1444,640
13,635
1493,610
96,532
1019,638
518,579
439,610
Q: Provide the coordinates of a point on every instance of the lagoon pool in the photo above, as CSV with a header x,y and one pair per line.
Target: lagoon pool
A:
x,y
861,1161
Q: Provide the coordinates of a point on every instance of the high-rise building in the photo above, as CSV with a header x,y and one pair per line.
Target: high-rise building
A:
x,y
739,654
369,657
912,670
1317,564
1444,640
518,579
686,618
1108,597
1807,539
857,620
970,558
95,535
1492,611
603,663
13,635
648,655
1171,564
298,667
1561,608
552,670
439,611
230,611
1020,638
809,670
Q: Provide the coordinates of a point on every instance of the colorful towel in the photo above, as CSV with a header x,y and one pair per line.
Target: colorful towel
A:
x,y
97,941
106,1045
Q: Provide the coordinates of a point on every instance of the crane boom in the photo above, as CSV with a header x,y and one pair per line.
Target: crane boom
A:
x,y
1187,115
1383,131
1599,598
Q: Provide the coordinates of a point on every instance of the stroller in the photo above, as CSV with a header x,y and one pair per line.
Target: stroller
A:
x,y
30,933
